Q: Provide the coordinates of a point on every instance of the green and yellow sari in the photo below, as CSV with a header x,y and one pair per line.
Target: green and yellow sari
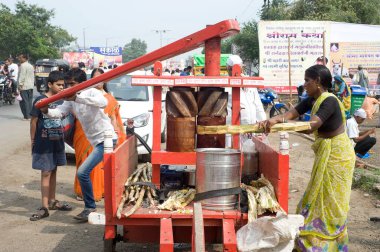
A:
x,y
325,203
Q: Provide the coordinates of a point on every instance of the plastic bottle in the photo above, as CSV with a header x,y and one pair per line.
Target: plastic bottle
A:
x,y
250,155
284,143
108,143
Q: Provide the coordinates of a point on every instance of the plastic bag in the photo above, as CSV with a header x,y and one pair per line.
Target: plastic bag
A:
x,y
18,97
266,234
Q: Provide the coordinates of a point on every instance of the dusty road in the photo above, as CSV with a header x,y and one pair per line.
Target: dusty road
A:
x,y
20,196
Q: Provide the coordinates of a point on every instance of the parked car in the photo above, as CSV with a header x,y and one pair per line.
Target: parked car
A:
x,y
136,102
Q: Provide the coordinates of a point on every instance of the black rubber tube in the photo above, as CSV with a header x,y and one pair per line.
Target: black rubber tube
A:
x,y
131,131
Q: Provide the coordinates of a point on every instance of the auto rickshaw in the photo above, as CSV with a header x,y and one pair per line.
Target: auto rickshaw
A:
x,y
42,69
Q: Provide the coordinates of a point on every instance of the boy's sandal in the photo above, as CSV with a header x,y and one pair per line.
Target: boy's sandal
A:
x,y
39,215
61,206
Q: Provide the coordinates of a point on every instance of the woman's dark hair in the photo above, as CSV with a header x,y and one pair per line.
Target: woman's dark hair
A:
x,y
102,72
321,73
96,70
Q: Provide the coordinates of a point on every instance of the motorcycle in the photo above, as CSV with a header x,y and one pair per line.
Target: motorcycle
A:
x,y
6,95
268,97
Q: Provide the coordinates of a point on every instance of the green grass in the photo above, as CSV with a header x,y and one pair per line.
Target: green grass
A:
x,y
376,172
365,183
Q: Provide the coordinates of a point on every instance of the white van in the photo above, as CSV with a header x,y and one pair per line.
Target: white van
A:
x,y
136,102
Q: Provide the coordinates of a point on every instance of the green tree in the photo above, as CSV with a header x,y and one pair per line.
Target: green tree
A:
x,y
247,44
352,11
28,30
226,46
275,10
134,49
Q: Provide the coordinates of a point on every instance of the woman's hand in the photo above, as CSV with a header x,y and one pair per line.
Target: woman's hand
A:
x,y
267,124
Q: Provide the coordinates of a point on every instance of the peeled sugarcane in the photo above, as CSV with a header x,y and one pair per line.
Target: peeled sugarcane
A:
x,y
253,128
178,199
134,193
121,205
261,198
266,201
149,194
138,203
252,203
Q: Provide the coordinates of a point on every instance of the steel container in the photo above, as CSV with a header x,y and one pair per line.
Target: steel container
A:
x,y
218,169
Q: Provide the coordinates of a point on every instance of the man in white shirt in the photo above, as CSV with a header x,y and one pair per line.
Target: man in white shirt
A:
x,y
26,85
251,107
13,73
362,141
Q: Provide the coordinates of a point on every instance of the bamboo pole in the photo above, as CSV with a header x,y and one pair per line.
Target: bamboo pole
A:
x,y
290,73
324,49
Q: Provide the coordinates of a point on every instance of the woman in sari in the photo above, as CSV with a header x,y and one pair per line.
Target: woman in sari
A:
x,y
343,92
325,203
83,148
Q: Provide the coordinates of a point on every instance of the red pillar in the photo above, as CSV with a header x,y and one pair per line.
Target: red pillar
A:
x,y
212,56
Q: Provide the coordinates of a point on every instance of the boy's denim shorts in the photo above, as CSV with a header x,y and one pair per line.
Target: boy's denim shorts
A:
x,y
48,161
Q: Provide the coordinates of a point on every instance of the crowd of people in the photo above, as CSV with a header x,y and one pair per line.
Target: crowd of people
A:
x,y
22,78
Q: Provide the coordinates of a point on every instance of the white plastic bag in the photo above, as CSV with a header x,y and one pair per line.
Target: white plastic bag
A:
x,y
18,97
275,234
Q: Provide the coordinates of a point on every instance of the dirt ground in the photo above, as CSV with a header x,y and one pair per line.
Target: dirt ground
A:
x,y
20,196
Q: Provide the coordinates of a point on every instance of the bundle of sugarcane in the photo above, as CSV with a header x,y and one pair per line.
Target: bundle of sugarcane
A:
x,y
180,102
261,198
137,186
178,199
251,128
212,102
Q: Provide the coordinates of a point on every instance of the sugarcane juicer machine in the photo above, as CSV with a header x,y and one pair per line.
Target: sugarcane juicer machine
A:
x,y
200,226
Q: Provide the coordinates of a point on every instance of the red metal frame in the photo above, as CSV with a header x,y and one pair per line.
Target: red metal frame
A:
x,y
275,167
147,225
166,227
220,30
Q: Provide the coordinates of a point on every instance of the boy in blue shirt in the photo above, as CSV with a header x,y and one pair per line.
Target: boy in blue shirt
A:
x,y
48,149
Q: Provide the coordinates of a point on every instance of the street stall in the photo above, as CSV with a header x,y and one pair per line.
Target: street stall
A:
x,y
210,213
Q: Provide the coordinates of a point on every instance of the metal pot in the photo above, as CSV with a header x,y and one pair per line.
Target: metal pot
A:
x,y
218,169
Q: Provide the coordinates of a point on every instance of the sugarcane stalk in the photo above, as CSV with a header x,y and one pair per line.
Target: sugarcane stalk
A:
x,y
121,205
137,193
131,177
138,203
132,193
189,197
151,200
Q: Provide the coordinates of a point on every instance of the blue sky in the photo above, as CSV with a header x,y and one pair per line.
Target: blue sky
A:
x,y
117,22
